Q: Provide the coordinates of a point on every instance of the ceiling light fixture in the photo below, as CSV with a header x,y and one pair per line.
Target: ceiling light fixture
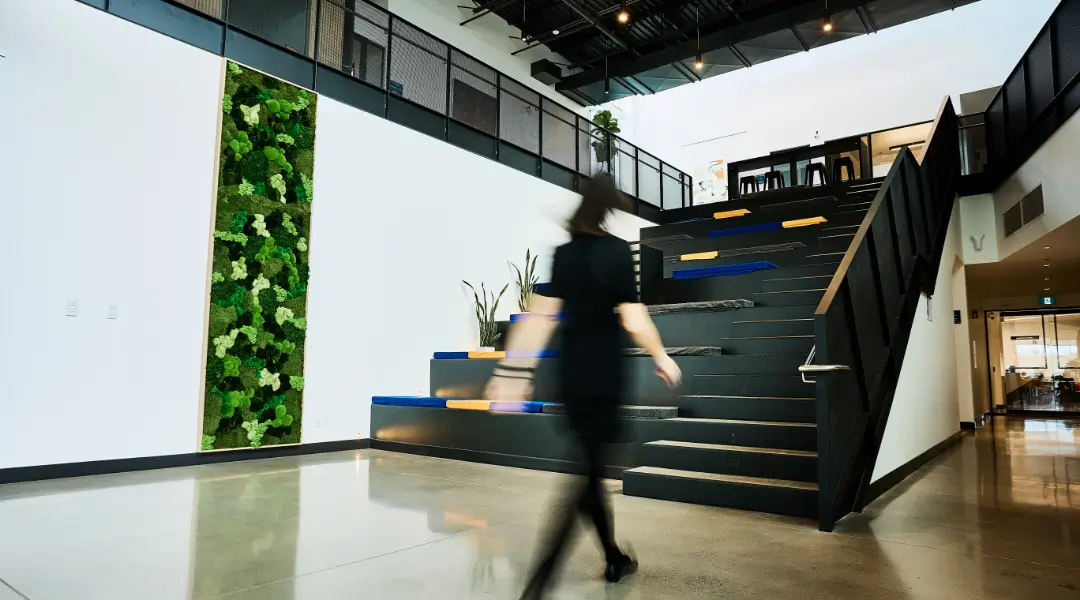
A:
x,y
1046,289
554,32
624,15
1046,247
827,25
607,80
699,64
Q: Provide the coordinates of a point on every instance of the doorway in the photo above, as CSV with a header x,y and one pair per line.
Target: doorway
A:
x,y
1035,364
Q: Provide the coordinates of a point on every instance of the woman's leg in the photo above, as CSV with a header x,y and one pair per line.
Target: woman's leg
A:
x,y
593,500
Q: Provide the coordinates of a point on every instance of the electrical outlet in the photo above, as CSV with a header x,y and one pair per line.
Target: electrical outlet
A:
x,y
113,312
72,308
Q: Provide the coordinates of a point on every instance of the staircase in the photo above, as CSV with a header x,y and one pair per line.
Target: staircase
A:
x,y
746,433
831,272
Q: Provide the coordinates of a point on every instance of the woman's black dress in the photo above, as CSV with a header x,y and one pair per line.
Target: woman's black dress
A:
x,y
592,275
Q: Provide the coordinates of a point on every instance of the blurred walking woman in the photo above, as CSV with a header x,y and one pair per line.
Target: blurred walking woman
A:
x,y
594,287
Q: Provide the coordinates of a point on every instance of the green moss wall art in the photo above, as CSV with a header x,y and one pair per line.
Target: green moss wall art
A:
x,y
258,282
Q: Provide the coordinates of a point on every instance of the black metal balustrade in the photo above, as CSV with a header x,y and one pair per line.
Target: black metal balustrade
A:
x,y
864,320
362,55
1040,94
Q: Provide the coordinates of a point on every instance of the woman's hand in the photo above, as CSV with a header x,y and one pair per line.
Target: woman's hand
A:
x,y
505,389
669,371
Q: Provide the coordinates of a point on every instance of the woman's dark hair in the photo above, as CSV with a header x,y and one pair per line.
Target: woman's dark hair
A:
x,y
599,198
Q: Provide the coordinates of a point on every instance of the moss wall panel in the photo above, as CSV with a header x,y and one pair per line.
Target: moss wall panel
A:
x,y
258,291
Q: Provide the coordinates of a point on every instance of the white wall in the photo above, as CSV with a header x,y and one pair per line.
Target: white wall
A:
x,y
962,343
871,82
486,39
110,203
111,170
925,409
1053,167
390,247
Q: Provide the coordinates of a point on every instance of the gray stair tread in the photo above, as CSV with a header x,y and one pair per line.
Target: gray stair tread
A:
x,y
739,422
679,351
691,307
627,410
758,481
772,321
799,278
701,446
771,337
746,397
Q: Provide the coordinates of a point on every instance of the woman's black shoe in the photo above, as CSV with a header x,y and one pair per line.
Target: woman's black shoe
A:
x,y
619,568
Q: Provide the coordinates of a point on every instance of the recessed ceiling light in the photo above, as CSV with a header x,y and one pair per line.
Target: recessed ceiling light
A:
x,y
554,32
1047,265
1046,247
1046,289
1047,279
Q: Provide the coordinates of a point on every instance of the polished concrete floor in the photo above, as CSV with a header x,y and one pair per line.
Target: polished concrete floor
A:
x,y
998,516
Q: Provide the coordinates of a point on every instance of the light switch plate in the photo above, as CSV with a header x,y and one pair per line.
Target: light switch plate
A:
x,y
72,308
113,311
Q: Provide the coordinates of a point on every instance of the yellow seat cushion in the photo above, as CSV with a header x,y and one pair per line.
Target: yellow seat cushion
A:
x,y
805,222
499,354
700,256
727,214
469,404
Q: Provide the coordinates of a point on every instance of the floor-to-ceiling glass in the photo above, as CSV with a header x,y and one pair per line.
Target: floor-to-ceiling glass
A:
x,y
1039,362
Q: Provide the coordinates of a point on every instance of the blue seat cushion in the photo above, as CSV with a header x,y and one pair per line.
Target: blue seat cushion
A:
x,y
410,401
451,355
722,270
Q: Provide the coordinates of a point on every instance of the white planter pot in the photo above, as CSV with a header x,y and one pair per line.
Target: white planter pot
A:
x,y
486,349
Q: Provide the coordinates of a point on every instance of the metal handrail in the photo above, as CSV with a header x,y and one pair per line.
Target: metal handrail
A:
x,y
809,359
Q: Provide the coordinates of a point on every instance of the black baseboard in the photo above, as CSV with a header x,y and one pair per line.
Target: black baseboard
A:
x,y
493,458
891,480
148,463
967,425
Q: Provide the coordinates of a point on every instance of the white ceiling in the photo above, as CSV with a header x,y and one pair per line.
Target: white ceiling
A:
x,y
1023,273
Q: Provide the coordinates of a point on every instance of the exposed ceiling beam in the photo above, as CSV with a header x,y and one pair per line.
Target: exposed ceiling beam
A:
x,y
866,18
751,29
739,55
584,14
485,9
802,42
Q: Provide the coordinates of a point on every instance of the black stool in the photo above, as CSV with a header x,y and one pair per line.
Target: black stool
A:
x,y
816,168
748,184
774,180
840,165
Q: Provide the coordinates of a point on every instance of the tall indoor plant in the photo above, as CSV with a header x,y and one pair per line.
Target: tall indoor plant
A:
x,y
604,124
526,281
486,303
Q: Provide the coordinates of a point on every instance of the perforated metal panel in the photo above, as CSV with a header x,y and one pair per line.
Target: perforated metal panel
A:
x,y
214,8
286,23
1066,31
649,178
418,67
1016,104
867,314
519,115
474,93
995,129
557,126
1040,74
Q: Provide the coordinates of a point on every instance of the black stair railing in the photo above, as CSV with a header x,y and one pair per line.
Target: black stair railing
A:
x,y
864,320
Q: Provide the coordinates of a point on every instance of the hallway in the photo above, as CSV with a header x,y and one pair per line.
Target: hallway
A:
x,y
997,516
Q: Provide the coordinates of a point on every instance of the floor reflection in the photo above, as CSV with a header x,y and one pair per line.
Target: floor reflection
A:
x,y
997,516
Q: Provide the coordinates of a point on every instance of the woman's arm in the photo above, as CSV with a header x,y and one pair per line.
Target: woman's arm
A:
x,y
637,322
512,379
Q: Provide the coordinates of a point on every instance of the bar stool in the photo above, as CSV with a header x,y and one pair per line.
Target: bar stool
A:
x,y
774,180
818,169
840,165
748,185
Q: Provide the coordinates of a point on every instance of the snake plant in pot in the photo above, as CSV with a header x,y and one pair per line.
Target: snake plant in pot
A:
x,y
603,125
526,281
486,303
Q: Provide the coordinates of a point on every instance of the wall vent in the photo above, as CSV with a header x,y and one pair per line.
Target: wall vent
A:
x,y
1024,211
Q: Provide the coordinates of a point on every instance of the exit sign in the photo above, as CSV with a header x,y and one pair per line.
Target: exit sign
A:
x,y
1047,300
